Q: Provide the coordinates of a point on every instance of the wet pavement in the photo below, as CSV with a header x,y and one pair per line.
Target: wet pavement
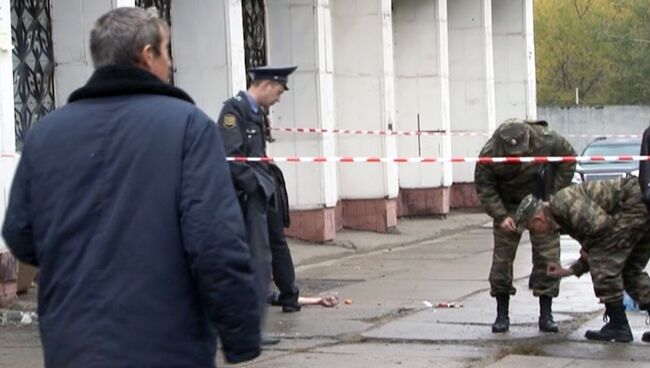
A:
x,y
399,287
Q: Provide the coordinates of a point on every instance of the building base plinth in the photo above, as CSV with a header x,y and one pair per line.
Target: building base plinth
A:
x,y
463,195
8,275
313,225
423,202
379,215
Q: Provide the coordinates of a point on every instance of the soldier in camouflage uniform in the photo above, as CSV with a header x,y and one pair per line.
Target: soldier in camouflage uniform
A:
x,y
611,222
501,187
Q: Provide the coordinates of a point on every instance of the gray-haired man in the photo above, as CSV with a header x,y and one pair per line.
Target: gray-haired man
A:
x,y
124,200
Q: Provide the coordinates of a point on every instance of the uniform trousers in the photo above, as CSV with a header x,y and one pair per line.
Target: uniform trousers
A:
x,y
546,249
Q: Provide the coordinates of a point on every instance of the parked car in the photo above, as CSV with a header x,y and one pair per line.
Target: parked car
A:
x,y
600,170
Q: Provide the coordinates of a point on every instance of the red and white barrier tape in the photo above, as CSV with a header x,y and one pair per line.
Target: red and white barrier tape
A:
x,y
484,160
427,132
367,132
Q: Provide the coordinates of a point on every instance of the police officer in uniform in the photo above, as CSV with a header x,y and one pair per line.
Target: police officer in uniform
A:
x,y
501,187
242,125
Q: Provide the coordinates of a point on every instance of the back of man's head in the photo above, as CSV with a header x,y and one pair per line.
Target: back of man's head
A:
x,y
119,36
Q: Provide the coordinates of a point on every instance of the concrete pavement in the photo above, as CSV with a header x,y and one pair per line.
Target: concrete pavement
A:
x,y
391,281
390,323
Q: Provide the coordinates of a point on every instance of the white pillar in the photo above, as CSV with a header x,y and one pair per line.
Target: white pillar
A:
x,y
123,3
364,97
72,21
471,79
299,32
7,124
514,59
422,100
208,51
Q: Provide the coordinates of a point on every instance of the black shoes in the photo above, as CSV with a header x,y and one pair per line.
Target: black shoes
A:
x,y
546,322
646,336
266,340
616,329
291,308
502,323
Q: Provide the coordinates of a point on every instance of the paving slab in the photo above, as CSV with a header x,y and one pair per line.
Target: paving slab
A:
x,y
380,355
321,322
519,361
472,321
409,231
603,351
637,324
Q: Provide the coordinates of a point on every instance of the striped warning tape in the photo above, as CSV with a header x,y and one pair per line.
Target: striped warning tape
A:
x,y
368,132
428,132
483,160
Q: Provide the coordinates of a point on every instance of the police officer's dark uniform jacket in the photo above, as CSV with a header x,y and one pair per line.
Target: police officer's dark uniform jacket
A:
x,y
243,133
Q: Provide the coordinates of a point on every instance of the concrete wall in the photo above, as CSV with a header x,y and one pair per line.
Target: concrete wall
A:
x,y
211,69
595,120
514,59
422,88
72,21
364,94
300,34
363,64
471,78
7,129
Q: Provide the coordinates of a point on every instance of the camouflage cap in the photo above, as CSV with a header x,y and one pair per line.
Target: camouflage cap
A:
x,y
525,211
514,136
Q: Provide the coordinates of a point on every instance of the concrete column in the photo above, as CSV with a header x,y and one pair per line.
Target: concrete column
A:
x,y
422,101
514,59
364,98
123,3
72,21
471,84
7,124
208,51
299,32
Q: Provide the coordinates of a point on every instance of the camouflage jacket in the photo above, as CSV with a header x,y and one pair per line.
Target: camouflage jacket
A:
x,y
608,213
501,187
597,212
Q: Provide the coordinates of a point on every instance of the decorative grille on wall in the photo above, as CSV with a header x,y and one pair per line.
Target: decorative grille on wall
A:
x,y
254,17
163,6
33,62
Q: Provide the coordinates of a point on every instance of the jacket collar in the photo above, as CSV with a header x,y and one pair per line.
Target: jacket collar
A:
x,y
121,80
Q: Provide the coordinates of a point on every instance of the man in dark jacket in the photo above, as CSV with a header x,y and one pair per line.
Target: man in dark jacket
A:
x,y
123,199
242,122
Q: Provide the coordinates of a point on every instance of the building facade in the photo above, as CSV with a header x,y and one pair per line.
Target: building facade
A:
x,y
387,65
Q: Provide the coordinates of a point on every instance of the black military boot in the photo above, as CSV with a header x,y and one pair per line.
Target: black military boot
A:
x,y
502,323
617,329
646,335
546,322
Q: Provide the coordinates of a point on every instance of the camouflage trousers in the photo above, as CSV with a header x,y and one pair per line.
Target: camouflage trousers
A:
x,y
546,249
616,268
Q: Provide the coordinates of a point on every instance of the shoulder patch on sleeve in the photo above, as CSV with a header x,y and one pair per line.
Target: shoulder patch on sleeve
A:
x,y
229,120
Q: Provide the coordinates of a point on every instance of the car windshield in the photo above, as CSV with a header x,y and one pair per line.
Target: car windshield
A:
x,y
612,150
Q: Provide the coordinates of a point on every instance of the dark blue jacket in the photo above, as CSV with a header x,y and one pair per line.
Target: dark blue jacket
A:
x,y
124,200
